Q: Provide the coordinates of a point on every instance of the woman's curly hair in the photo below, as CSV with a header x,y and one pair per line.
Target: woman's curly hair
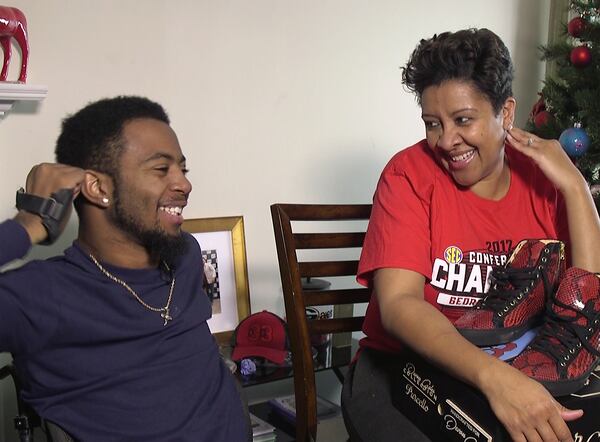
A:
x,y
476,56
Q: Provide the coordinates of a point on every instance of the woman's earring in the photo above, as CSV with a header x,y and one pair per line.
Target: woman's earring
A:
x,y
105,200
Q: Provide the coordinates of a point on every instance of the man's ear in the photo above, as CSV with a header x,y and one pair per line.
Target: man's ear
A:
x,y
508,112
97,188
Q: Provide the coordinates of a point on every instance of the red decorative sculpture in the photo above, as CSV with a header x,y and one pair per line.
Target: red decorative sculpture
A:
x,y
13,24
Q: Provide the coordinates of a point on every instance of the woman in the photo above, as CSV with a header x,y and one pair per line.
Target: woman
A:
x,y
475,187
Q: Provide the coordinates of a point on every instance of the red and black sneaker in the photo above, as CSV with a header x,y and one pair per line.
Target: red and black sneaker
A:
x,y
567,348
516,300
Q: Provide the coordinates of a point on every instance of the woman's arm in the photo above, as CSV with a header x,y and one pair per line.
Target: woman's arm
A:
x,y
524,407
582,217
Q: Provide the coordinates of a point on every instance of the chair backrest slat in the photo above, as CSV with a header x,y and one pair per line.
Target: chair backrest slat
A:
x,y
340,296
328,240
328,268
296,299
326,326
325,212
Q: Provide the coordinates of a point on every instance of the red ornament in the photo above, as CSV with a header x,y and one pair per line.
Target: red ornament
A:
x,y
581,56
542,119
539,106
576,26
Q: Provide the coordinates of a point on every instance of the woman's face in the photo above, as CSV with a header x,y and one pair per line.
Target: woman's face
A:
x,y
467,136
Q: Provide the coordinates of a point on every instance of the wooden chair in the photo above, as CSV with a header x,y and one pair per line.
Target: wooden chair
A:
x,y
288,242
27,419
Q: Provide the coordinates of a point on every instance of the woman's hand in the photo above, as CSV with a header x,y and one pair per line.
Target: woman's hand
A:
x,y
550,158
522,405
582,216
525,408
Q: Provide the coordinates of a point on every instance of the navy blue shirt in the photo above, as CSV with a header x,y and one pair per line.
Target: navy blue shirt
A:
x,y
102,366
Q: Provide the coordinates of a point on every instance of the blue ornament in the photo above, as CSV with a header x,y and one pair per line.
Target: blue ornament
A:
x,y
247,367
575,141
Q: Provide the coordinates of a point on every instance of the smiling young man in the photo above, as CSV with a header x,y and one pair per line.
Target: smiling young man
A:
x,y
111,338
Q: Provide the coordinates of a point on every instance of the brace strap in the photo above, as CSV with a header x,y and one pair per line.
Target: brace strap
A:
x,y
52,210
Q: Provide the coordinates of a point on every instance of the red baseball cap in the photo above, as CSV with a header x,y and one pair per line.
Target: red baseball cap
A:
x,y
262,334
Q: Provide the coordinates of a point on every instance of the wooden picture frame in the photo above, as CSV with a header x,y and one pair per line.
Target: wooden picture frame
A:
x,y
224,253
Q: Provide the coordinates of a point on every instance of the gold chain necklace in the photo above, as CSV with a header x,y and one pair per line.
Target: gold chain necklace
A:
x,y
164,311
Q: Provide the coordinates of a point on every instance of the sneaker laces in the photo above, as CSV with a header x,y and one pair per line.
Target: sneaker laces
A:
x,y
511,283
562,334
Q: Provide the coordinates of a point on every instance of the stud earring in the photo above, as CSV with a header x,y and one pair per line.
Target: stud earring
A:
x,y
105,200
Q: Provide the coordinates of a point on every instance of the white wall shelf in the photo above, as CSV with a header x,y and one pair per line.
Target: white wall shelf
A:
x,y
11,92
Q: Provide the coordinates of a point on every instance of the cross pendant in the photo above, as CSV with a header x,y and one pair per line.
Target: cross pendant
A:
x,y
165,315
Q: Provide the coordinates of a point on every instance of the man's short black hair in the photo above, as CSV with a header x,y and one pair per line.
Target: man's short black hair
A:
x,y
92,137
476,56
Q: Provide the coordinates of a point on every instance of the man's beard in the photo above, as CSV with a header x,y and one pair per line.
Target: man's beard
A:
x,y
159,244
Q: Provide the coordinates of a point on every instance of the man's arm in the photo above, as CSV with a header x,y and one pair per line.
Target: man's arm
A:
x,y
15,241
42,181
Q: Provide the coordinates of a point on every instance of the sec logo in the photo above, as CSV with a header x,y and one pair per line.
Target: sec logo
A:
x,y
453,255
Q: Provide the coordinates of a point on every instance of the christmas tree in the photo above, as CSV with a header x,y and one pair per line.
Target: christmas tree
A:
x,y
569,104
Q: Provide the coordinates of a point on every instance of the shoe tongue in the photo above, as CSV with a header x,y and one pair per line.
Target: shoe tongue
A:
x,y
526,254
577,288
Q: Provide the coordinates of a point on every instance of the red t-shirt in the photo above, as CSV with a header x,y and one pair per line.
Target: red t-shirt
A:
x,y
422,221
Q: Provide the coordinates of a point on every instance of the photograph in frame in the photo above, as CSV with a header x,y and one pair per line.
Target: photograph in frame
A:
x,y
225,271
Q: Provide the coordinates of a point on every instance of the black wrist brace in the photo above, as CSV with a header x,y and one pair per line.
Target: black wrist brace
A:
x,y
52,210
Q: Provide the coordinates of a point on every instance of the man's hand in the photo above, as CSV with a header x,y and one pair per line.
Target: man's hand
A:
x,y
43,180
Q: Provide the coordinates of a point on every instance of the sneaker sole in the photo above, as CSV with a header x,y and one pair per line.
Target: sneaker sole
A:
x,y
497,336
567,387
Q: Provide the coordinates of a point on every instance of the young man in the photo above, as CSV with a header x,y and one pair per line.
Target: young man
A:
x,y
111,338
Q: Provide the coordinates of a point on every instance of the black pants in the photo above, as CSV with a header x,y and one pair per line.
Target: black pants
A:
x,y
367,406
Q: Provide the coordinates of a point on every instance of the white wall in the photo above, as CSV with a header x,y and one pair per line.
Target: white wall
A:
x,y
273,100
